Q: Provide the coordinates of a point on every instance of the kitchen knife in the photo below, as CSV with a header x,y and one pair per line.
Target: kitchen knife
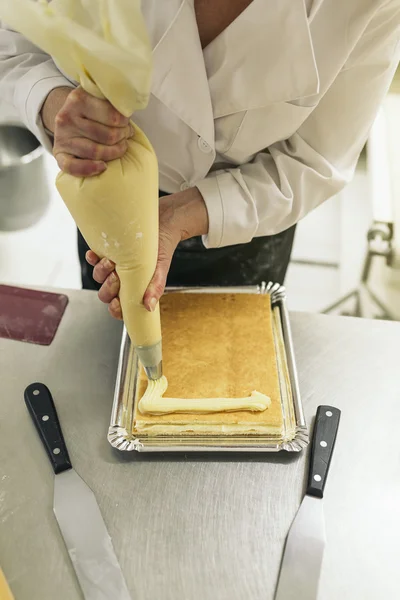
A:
x,y
305,544
76,509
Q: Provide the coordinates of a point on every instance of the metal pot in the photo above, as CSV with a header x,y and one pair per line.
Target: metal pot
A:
x,y
24,189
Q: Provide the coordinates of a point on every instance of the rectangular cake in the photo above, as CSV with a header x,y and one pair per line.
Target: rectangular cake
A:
x,y
216,345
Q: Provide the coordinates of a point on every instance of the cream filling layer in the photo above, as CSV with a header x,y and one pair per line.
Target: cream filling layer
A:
x,y
153,402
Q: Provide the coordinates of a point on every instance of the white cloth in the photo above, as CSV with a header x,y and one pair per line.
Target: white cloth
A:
x,y
268,121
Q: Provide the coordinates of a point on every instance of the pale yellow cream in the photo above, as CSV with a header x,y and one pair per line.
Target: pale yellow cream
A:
x,y
153,402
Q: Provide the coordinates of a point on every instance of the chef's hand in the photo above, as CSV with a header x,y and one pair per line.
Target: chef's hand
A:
x,y
88,132
182,216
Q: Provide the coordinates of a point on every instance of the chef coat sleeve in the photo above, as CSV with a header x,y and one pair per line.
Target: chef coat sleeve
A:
x,y
292,177
27,76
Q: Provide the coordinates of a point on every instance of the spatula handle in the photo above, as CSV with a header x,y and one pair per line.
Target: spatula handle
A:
x,y
324,436
40,404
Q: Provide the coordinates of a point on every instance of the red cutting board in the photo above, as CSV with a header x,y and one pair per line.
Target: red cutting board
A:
x,y
29,315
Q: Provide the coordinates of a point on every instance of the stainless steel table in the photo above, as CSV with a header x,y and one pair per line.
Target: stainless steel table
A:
x,y
203,527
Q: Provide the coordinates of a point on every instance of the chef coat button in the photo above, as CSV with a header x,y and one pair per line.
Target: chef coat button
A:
x,y
185,186
204,147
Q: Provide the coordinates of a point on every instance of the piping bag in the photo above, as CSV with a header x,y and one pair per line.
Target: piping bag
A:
x,y
103,45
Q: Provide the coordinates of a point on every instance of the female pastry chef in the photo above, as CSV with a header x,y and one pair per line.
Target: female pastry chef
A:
x,y
258,113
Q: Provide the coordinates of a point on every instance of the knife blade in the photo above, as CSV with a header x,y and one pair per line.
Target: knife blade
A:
x,y
76,509
305,544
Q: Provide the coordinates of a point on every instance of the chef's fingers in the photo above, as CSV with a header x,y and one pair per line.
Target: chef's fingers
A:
x,y
102,133
80,147
91,258
157,285
110,288
114,308
96,109
77,166
102,270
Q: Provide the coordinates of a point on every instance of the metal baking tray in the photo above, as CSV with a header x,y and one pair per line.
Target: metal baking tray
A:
x,y
295,436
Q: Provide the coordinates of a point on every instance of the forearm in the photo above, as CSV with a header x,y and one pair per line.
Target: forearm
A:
x,y
27,76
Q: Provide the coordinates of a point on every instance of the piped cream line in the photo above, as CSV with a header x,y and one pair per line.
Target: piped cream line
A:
x,y
153,402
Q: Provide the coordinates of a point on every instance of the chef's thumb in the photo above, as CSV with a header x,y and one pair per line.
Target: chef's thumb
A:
x,y
157,284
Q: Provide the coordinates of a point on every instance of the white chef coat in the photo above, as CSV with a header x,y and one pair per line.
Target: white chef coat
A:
x,y
267,121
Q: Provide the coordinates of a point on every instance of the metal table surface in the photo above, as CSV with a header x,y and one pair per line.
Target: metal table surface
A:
x,y
204,527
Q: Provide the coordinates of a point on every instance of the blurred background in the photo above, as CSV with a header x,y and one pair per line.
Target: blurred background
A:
x,y
346,257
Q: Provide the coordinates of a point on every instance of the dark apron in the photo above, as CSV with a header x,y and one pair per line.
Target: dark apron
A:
x,y
262,259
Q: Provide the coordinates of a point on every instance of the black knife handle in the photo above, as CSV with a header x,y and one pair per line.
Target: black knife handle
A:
x,y
41,407
324,436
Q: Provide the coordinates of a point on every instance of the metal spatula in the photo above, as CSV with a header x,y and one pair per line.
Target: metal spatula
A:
x,y
305,544
76,509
